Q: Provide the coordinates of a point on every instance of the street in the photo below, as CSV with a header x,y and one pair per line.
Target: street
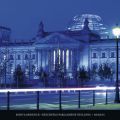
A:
x,y
50,100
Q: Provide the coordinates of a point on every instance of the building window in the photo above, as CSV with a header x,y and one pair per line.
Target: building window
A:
x,y
33,56
112,54
94,55
19,57
11,57
26,57
103,55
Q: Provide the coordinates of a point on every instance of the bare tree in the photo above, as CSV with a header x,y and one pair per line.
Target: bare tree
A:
x,y
43,76
82,76
105,71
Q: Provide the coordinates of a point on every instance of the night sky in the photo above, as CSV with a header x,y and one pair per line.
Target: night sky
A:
x,y
23,16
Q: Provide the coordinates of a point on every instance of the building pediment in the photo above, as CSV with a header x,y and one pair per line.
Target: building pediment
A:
x,y
56,38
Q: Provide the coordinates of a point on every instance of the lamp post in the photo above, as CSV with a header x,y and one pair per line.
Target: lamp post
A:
x,y
116,32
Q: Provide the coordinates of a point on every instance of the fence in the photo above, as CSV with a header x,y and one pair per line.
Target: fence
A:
x,y
60,91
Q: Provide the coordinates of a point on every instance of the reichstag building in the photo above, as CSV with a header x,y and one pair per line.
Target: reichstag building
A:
x,y
75,49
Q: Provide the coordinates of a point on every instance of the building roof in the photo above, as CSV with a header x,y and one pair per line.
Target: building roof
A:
x,y
55,38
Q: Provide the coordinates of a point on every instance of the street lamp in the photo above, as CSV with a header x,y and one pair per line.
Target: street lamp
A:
x,y
116,32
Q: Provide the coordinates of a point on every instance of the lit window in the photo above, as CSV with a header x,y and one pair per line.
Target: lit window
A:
x,y
103,55
94,55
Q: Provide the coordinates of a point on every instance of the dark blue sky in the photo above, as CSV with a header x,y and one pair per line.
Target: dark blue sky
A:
x,y
23,16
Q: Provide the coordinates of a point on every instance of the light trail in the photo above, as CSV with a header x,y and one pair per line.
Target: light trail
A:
x,y
55,89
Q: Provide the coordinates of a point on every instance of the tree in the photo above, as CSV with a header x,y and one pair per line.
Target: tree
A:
x,y
43,76
19,76
101,71
75,72
5,64
82,75
59,71
1,74
105,71
93,72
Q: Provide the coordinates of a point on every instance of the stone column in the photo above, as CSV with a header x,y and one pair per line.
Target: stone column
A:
x,y
55,57
63,55
74,59
41,58
60,56
69,59
23,60
45,58
38,52
48,57
15,59
77,57
99,56
52,59
65,60
37,60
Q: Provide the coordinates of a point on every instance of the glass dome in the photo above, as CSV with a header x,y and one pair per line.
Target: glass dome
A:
x,y
95,23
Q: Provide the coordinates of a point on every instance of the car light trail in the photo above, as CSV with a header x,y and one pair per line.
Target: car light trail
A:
x,y
55,89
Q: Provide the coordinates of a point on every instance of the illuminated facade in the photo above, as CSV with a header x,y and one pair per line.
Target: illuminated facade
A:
x,y
75,49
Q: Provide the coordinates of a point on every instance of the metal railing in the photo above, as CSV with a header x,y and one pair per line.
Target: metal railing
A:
x,y
59,91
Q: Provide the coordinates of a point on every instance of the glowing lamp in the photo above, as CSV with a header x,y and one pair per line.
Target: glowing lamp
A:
x,y
116,31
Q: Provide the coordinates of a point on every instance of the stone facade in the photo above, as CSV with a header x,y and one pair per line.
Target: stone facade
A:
x,y
75,48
